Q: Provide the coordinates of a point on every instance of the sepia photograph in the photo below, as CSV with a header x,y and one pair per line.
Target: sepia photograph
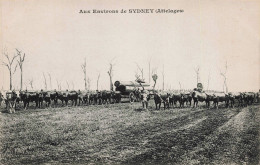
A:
x,y
130,82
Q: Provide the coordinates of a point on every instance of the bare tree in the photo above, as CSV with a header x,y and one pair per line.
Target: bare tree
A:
x,y
58,85
208,81
72,83
163,78
98,80
9,65
45,82
68,85
50,81
110,73
84,69
137,76
197,71
25,84
31,83
224,75
141,70
88,81
180,85
155,77
149,65
20,63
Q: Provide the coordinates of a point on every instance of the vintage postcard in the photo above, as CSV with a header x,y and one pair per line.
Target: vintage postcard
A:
x,y
129,82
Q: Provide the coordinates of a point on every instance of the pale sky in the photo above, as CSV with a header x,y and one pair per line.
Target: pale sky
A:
x,y
56,38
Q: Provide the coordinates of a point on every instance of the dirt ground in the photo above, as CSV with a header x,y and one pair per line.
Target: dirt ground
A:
x,y
126,134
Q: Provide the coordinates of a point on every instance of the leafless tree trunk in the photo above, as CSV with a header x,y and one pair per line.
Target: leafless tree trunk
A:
x,y
208,81
88,81
45,82
197,71
180,85
141,70
98,80
68,85
84,69
224,75
58,85
155,77
149,64
137,77
50,81
72,85
163,78
110,73
20,63
9,65
31,83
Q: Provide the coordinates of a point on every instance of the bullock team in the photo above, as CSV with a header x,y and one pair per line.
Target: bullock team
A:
x,y
168,99
50,98
241,99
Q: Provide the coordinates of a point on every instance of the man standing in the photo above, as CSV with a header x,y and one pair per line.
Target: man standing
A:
x,y
144,97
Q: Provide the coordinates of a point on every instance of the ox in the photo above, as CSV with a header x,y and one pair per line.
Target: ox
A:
x,y
162,98
198,97
28,97
220,97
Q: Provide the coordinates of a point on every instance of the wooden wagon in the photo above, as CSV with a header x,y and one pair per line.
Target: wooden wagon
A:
x,y
130,89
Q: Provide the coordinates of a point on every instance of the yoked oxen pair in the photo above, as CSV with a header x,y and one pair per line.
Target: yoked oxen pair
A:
x,y
249,98
66,96
45,96
243,98
235,96
215,97
160,98
107,97
220,97
95,98
182,98
83,97
198,97
29,96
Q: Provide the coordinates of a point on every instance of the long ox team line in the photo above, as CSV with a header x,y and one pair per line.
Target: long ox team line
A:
x,y
168,99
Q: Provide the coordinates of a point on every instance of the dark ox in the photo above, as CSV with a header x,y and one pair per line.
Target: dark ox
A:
x,y
106,97
1,98
44,96
198,97
116,95
249,98
233,97
220,97
28,97
174,98
83,97
40,99
54,96
162,98
47,98
68,96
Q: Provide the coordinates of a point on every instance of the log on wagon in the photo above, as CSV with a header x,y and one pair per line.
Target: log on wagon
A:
x,y
130,89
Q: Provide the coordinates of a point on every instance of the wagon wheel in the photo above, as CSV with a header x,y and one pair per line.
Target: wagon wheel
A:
x,y
132,97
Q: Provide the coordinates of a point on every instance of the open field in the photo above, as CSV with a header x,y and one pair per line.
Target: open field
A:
x,y
126,134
